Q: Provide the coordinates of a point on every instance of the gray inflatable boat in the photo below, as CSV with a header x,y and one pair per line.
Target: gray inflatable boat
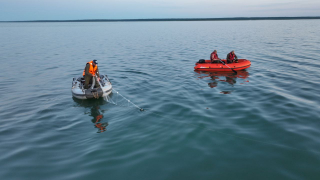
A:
x,y
79,92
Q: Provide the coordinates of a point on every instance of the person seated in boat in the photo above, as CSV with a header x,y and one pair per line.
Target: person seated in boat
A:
x,y
91,71
214,57
232,57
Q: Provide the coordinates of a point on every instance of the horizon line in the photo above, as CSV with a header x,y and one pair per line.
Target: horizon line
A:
x,y
175,19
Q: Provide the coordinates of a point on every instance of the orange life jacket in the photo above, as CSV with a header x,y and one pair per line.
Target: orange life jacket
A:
x,y
92,69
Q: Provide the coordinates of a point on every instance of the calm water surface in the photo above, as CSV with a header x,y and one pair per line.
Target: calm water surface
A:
x,y
262,123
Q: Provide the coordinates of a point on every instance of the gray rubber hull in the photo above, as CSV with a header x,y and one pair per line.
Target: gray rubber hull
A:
x,y
80,93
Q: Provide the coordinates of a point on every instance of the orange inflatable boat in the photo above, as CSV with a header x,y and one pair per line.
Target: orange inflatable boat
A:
x,y
206,65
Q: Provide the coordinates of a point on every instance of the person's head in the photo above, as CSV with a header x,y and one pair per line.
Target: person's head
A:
x,y
94,63
232,52
215,51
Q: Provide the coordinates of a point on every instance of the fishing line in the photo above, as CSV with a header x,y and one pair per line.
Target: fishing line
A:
x,y
109,99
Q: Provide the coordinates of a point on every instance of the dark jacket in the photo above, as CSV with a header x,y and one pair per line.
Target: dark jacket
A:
x,y
215,56
235,57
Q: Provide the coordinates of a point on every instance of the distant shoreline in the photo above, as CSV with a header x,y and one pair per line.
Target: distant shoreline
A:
x,y
176,19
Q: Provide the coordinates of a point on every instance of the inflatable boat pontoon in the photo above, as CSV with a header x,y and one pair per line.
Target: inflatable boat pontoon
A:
x,y
206,65
79,92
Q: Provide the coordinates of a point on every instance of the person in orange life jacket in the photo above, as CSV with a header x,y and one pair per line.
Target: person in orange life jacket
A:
x,y
89,72
232,57
214,57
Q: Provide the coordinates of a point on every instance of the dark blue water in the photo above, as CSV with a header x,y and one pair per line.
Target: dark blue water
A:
x,y
262,123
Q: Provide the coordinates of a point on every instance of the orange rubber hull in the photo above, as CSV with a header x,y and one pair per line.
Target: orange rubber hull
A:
x,y
208,66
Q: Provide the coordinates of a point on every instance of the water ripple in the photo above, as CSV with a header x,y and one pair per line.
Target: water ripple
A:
x,y
196,125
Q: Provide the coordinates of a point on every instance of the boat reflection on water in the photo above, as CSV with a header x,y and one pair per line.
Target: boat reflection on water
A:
x,y
95,112
229,77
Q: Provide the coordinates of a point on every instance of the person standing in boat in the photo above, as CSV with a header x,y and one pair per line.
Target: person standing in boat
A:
x,y
89,72
214,57
232,57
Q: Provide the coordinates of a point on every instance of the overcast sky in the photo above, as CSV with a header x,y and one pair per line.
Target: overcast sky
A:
x,y
144,9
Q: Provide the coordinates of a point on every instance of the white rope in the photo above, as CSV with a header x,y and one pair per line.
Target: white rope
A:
x,y
108,99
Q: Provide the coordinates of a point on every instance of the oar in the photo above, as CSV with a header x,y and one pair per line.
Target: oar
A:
x,y
228,66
